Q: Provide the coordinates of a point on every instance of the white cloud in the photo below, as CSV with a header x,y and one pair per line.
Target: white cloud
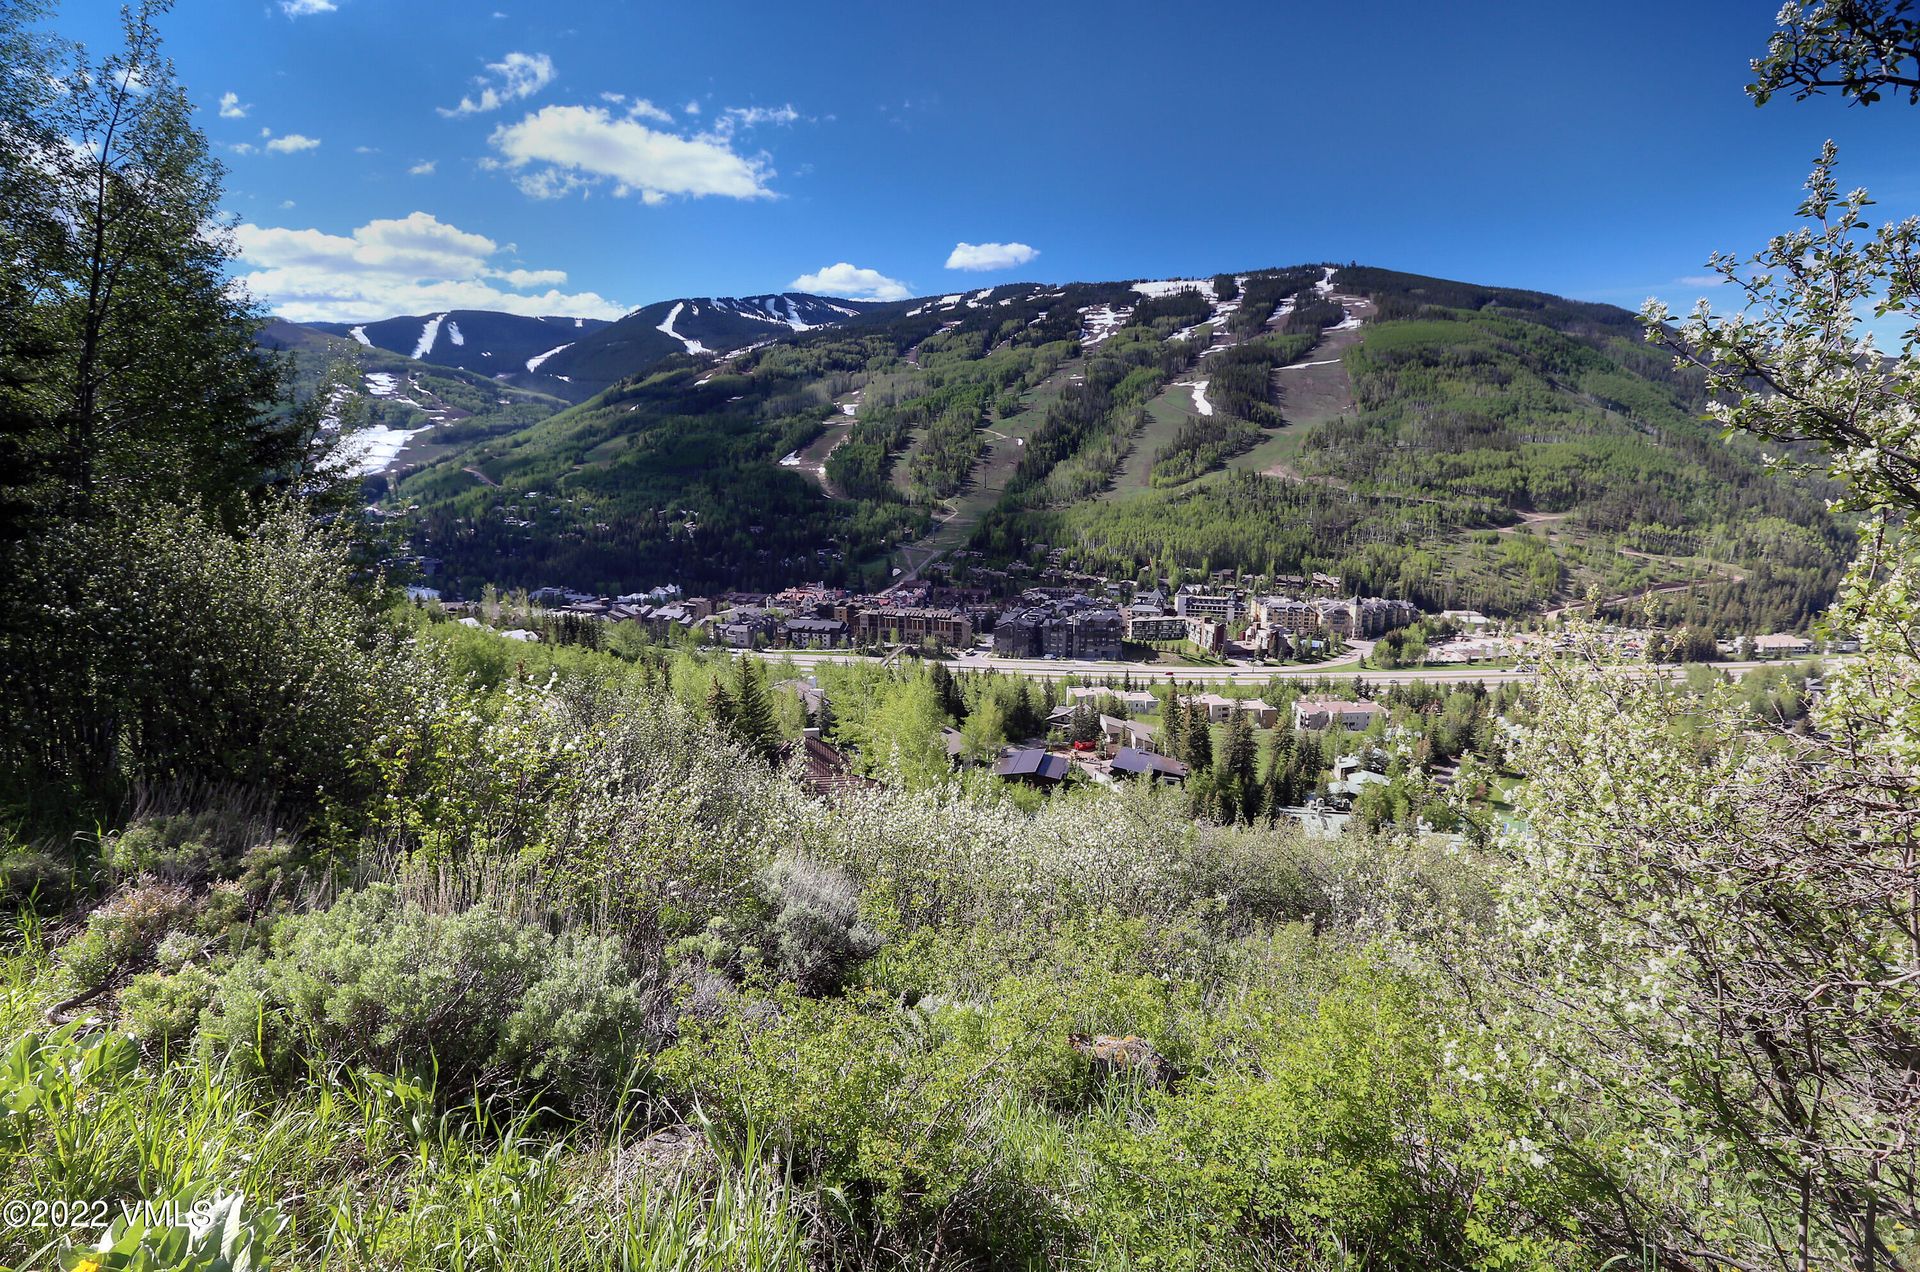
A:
x,y
691,108
852,282
293,144
522,279
230,107
989,255
737,117
411,265
422,169
306,8
514,76
638,107
560,149
1699,280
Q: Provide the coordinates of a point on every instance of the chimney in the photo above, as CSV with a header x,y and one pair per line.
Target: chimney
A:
x,y
810,732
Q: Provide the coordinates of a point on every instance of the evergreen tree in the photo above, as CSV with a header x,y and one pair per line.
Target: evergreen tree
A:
x,y
752,714
720,704
1173,733
1025,719
1083,725
1279,787
1238,763
1197,736
947,691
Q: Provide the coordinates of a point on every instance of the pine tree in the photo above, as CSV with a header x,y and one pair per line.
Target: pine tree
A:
x,y
947,691
752,714
1083,725
1198,736
720,705
1174,732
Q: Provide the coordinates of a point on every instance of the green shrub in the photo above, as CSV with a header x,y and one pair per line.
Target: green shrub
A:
x,y
163,1010
481,996
582,1025
804,927
32,875
123,935
816,932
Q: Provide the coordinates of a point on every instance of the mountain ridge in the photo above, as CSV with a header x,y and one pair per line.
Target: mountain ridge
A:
x,y
1455,443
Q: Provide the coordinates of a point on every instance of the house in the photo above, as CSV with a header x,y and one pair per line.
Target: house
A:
x,y
1351,788
1207,633
820,767
1132,762
1348,765
1327,713
1131,699
1120,732
1032,766
522,634
908,625
1781,645
1316,820
812,697
1221,708
1226,606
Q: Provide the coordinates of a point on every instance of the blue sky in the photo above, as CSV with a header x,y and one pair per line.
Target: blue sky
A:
x,y
592,156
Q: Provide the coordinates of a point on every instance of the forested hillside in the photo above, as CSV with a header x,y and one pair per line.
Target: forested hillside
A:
x,y
400,411
343,933
1453,444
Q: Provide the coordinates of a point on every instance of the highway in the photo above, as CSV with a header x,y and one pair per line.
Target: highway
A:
x,y
1146,673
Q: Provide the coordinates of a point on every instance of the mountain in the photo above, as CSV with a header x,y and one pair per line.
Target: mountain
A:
x,y
697,325
491,343
407,405
575,358
1456,444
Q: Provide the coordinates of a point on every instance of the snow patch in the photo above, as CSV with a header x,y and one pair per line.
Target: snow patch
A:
x,y
1168,286
1100,321
533,363
693,346
428,334
453,333
367,451
382,383
360,334
1200,402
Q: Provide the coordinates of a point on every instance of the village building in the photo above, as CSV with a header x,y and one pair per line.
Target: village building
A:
x,y
1132,762
1220,709
1032,766
1327,713
907,625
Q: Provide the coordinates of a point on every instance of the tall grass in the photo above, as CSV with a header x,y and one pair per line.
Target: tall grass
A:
x,y
368,1174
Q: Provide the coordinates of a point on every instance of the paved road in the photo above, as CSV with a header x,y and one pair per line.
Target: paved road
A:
x,y
1144,674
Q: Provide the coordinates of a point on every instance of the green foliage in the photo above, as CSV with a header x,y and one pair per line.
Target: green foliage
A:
x,y
381,981
125,933
155,649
